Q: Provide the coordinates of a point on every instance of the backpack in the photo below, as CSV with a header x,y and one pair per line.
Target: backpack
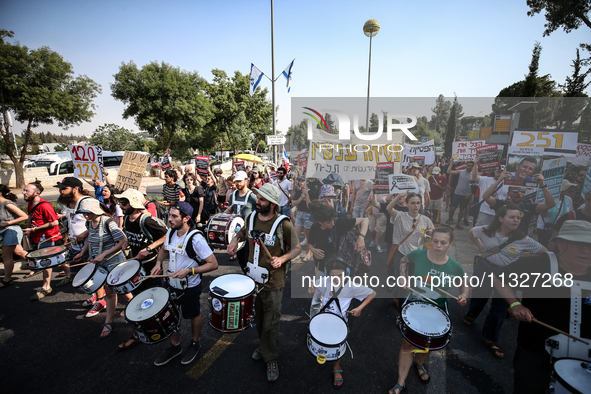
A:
x,y
143,217
356,261
160,210
189,243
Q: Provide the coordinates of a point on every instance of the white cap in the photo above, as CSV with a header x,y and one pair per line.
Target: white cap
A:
x,y
240,176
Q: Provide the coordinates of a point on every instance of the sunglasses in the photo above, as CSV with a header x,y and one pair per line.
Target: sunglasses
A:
x,y
519,191
123,202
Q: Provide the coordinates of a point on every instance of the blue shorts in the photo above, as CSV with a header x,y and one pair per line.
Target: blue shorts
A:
x,y
12,236
189,301
115,259
304,219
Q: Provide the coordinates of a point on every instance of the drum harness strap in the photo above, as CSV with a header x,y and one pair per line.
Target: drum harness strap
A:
x,y
335,298
257,247
103,224
182,250
240,204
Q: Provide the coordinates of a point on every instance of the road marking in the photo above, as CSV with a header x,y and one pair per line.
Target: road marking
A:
x,y
212,354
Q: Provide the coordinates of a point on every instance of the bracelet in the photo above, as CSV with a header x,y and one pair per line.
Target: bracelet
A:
x,y
543,186
34,229
193,268
514,304
465,296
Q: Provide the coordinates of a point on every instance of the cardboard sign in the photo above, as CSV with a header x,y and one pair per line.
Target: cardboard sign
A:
x,y
382,178
165,162
489,157
465,150
131,171
523,163
553,172
583,157
202,165
553,142
401,183
87,161
303,162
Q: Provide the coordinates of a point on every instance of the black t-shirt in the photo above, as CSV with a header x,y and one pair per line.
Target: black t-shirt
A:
x,y
553,308
302,206
323,239
209,200
579,215
138,240
527,212
193,198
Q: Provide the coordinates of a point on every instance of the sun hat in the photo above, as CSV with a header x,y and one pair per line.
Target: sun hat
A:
x,y
90,205
269,193
334,179
576,231
327,191
135,197
566,185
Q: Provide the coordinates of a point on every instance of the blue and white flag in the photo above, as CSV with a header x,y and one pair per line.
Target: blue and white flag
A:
x,y
255,78
287,74
285,156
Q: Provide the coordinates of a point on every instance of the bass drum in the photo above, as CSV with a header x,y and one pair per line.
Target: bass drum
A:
x,y
222,228
425,325
153,315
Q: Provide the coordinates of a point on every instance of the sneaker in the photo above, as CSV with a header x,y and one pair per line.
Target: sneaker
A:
x,y
191,352
41,294
272,371
257,354
459,227
379,250
98,306
90,301
169,354
64,282
304,242
466,223
372,244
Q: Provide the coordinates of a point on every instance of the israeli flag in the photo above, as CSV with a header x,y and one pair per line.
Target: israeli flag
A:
x,y
255,79
285,155
287,74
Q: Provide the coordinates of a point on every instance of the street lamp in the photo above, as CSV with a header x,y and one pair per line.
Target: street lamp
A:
x,y
371,29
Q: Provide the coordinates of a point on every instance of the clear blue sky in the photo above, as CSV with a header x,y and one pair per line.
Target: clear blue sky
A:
x,y
424,48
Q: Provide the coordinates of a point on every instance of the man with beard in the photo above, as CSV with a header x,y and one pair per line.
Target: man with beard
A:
x,y
71,194
242,203
283,184
516,194
189,256
145,235
43,228
486,213
268,271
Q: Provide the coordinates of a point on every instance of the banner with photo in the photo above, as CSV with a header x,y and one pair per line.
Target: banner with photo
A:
x,y
381,181
352,159
489,157
424,153
553,172
465,150
523,163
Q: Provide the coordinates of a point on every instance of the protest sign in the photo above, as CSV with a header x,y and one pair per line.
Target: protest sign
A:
x,y
465,150
87,162
303,162
587,183
553,142
240,165
202,165
523,163
382,180
489,157
553,172
583,157
165,162
401,183
423,152
352,159
131,171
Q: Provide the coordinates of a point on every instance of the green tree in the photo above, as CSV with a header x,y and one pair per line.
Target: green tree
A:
x,y
441,114
450,132
61,147
39,87
162,99
568,14
299,134
115,138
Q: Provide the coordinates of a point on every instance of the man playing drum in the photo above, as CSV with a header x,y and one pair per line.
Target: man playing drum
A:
x,y
145,234
241,202
271,246
186,272
43,228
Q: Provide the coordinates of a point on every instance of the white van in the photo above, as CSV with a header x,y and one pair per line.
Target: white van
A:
x,y
60,163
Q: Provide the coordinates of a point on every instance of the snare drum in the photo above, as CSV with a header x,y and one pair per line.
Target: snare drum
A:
x,y
90,278
222,228
231,298
47,257
327,336
126,277
153,315
425,325
571,375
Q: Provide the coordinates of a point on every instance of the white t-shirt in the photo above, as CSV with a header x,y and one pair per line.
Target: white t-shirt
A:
x,y
424,187
484,183
349,292
76,225
183,261
286,186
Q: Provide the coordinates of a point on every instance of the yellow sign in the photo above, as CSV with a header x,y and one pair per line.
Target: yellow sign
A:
x,y
485,132
474,134
131,171
512,249
155,337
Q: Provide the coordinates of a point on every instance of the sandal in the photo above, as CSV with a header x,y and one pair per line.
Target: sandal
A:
x,y
233,258
422,371
7,284
397,387
31,274
494,349
468,320
335,380
109,327
125,346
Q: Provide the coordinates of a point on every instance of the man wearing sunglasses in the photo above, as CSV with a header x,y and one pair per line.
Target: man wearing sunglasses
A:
x,y
515,196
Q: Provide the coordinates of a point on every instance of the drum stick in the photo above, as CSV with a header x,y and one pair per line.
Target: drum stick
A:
x,y
559,331
421,295
106,258
445,292
124,261
77,265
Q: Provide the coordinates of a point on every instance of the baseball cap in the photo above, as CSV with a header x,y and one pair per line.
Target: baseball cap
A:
x,y
240,176
135,198
70,181
186,209
436,170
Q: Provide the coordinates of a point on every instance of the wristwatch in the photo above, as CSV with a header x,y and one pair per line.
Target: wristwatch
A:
x,y
148,249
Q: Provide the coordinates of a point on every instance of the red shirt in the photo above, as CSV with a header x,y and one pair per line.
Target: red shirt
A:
x,y
42,214
437,192
151,208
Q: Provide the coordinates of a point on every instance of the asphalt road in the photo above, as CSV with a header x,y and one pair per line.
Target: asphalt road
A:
x,y
48,346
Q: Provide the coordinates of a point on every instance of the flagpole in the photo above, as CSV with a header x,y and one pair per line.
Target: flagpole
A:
x,y
273,81
370,29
